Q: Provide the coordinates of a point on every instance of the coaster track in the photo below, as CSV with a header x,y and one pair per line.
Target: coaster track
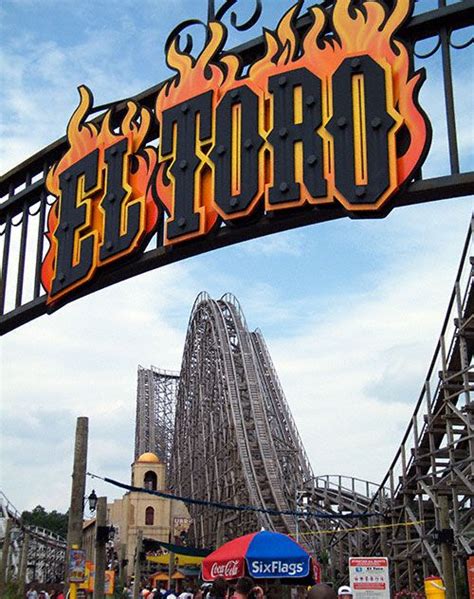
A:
x,y
429,486
40,553
156,396
235,439
236,442
431,479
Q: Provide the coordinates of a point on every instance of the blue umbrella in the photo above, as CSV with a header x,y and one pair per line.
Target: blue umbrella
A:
x,y
265,554
274,555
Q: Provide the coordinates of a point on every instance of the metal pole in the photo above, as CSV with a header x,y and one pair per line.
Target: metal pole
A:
x,y
171,554
137,573
123,568
5,555
78,489
297,528
23,564
100,543
446,549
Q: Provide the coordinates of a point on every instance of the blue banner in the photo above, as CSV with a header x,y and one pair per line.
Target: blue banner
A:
x,y
278,568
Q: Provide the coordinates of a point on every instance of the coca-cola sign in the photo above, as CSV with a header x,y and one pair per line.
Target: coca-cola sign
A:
x,y
229,569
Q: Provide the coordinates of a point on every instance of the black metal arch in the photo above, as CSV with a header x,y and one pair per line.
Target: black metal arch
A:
x,y
24,198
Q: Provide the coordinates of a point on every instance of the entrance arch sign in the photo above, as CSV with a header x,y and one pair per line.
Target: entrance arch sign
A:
x,y
323,121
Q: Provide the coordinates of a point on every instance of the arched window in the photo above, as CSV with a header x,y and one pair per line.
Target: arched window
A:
x,y
150,480
149,516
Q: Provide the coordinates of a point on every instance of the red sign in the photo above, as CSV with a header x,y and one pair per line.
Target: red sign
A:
x,y
369,586
379,562
470,576
317,571
228,569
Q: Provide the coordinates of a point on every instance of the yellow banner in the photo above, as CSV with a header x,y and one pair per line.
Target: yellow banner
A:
x,y
181,560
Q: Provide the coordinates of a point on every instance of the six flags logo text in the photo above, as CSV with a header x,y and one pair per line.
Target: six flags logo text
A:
x,y
331,116
278,568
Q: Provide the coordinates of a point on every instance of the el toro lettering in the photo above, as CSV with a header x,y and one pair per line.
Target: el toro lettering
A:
x,y
330,116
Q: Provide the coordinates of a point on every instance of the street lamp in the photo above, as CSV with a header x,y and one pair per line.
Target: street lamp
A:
x,y
92,500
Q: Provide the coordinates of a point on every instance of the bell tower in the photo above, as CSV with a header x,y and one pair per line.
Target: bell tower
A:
x,y
149,472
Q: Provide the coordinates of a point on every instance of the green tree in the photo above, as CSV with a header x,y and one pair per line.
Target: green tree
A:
x,y
12,591
53,521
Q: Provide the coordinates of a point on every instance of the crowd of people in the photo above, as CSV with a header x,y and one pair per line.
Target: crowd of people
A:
x,y
324,591
243,588
32,593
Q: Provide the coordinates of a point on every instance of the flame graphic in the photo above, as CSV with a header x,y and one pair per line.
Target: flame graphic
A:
x,y
84,138
365,28
193,77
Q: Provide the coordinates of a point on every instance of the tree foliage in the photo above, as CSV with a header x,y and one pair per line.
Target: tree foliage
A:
x,y
53,521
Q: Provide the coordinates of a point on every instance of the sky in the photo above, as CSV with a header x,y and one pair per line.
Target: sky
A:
x,y
350,310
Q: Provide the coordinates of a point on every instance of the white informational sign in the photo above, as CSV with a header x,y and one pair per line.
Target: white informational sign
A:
x,y
369,577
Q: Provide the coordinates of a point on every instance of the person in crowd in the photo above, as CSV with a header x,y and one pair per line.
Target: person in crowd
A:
x,y
31,593
218,589
245,589
186,594
127,592
345,592
171,595
201,594
322,591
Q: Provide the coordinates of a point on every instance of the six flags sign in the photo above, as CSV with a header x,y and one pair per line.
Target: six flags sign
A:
x,y
328,116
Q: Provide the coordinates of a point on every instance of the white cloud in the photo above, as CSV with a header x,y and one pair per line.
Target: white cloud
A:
x,y
39,78
351,364
277,244
354,373
82,361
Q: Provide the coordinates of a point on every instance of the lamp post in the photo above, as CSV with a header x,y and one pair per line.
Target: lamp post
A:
x,y
137,572
101,538
76,508
172,556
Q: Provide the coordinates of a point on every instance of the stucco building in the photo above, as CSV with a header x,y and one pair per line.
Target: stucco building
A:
x,y
158,518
